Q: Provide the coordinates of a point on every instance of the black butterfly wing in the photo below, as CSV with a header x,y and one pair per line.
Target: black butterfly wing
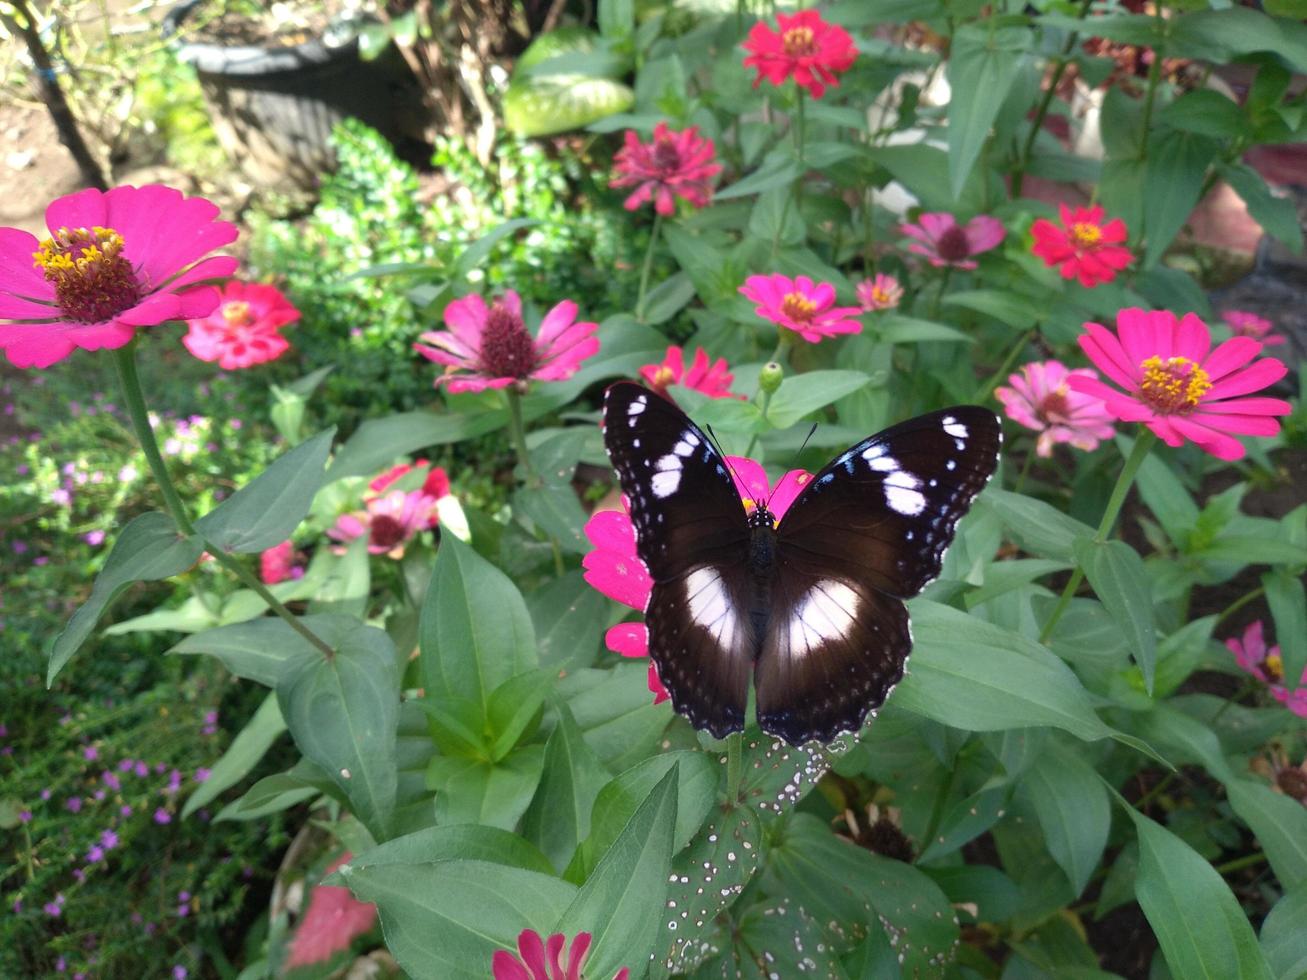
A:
x,y
692,535
868,531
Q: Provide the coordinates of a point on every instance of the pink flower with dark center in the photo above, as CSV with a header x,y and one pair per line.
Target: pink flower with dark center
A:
x,y
490,347
713,380
435,482
944,242
1252,656
115,260
880,293
245,328
1082,247
1177,386
801,305
277,564
540,959
333,920
1041,399
614,567
804,47
672,165
1245,324
389,522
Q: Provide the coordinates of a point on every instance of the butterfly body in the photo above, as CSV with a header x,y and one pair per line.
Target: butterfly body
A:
x,y
807,607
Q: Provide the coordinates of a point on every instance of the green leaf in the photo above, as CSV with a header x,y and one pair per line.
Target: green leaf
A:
x,y
1120,581
803,393
1287,598
269,795
824,875
616,711
347,586
778,938
1206,112
1280,824
446,919
343,714
1277,215
512,707
966,820
148,549
1016,311
555,510
475,631
668,298
896,329
1198,922
1037,526
622,902
457,842
1251,549
1165,496
494,794
479,250
559,816
983,63
265,511
778,170
246,749
266,650
1073,810
1284,940
1219,35
1177,164
542,106
565,611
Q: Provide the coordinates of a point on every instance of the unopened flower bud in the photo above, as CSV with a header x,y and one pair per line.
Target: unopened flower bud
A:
x,y
771,377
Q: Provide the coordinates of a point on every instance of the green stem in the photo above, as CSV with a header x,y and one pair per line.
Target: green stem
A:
x,y
753,439
517,431
799,153
1150,95
648,267
987,389
1025,471
734,766
1239,603
134,399
1143,443
939,296
1238,864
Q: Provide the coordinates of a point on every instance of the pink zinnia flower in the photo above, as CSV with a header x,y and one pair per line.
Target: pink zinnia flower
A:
x,y
277,564
115,260
245,328
333,920
1245,324
435,483
801,305
713,380
880,293
491,344
672,165
804,47
614,568
543,959
389,521
1082,247
1177,386
1253,657
944,242
1041,399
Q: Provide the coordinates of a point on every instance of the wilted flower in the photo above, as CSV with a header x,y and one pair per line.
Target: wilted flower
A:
x,y
675,164
1245,324
804,47
713,380
543,959
801,305
1177,385
333,920
245,329
1041,399
1082,247
1283,775
1252,655
880,293
944,242
115,260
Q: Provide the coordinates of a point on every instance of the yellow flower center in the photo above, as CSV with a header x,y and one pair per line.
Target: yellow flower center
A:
x,y
798,42
1175,385
663,377
92,279
1086,234
879,295
237,313
798,307
1274,667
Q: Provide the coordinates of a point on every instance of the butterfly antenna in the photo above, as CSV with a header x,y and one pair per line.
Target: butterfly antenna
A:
x,y
802,447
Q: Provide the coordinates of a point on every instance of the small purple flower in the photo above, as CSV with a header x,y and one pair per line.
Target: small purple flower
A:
x,y
79,874
23,469
202,774
60,964
4,732
25,816
54,909
61,496
142,769
179,973
149,928
125,810
159,767
162,816
98,794
20,547
125,765
108,840
45,793
236,423
111,780
94,538
128,473
74,804
90,753
95,854
41,560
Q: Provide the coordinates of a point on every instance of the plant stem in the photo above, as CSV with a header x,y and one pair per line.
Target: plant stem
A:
x,y
753,439
939,296
1150,95
1142,445
799,153
1239,603
987,389
517,431
1238,864
134,399
1025,471
734,765
648,267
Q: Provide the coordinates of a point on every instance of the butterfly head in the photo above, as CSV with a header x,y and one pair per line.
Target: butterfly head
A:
x,y
760,516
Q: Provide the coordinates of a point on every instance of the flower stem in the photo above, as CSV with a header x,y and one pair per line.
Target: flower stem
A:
x,y
517,431
1142,445
734,765
134,399
987,389
753,439
799,154
1239,603
939,296
648,267
1025,471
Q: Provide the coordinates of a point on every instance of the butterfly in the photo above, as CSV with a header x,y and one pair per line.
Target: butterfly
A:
x,y
811,607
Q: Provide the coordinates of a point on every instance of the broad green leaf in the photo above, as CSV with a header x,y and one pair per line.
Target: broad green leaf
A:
x,y
1276,214
915,914
269,795
1198,922
1165,496
1177,165
347,587
555,510
513,706
778,938
1117,575
475,631
565,611
559,816
466,842
616,711
265,511
622,901
343,714
148,549
1287,598
542,106
822,874
1284,940
493,794
895,329
1039,527
803,393
246,749
778,170
668,298
1280,824
1218,35
966,820
479,250
1252,549
983,63
1073,809
925,170
1206,112
446,919
1016,311
268,649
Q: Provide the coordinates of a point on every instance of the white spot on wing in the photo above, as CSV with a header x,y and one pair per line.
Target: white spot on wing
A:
x,y
637,406
710,606
955,428
824,614
667,477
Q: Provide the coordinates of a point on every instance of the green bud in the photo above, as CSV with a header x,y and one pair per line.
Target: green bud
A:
x,y
771,377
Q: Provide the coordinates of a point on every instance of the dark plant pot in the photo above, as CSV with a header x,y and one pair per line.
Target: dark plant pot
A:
x,y
273,108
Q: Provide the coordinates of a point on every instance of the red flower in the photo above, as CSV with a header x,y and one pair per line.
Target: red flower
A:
x,y
115,260
805,48
334,919
1041,399
245,329
943,241
672,165
712,380
1082,246
277,564
615,569
1176,387
542,960
491,345
1245,324
801,305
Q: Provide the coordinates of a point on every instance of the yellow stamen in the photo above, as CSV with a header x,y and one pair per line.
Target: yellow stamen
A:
x,y
92,279
798,41
796,306
1086,234
663,377
1274,667
236,313
1175,385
